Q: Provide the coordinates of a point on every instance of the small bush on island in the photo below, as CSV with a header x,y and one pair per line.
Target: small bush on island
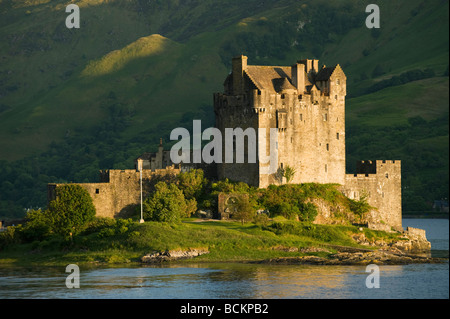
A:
x,y
168,204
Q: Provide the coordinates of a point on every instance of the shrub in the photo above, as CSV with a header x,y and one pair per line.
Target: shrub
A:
x,y
38,225
10,236
98,224
72,209
192,183
243,209
359,207
308,212
167,204
261,219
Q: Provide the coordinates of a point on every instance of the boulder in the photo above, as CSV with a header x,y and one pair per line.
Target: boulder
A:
x,y
171,255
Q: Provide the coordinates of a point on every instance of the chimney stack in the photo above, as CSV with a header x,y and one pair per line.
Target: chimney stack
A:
x,y
310,65
298,77
239,65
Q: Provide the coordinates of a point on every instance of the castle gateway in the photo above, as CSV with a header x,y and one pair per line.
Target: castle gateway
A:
x,y
306,104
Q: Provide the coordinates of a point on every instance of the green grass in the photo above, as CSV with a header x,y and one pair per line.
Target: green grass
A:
x,y
394,105
225,240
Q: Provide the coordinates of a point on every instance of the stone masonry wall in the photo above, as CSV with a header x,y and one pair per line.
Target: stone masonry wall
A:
x,y
119,193
382,188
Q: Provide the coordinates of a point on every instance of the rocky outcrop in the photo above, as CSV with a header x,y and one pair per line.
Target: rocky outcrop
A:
x,y
356,258
171,255
410,247
415,241
410,241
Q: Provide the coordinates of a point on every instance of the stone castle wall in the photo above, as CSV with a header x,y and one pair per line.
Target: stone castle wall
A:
x,y
118,193
380,181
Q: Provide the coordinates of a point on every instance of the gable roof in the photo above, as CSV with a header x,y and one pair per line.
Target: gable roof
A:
x,y
264,77
282,84
325,73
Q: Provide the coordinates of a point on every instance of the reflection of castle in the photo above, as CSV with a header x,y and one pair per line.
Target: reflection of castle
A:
x,y
307,106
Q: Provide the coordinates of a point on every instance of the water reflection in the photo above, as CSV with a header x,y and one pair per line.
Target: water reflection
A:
x,y
235,281
229,281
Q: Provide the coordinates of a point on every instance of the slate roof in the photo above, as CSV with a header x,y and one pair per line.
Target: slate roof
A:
x,y
263,76
325,73
282,84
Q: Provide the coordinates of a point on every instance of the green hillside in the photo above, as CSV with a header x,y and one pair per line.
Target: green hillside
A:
x,y
73,101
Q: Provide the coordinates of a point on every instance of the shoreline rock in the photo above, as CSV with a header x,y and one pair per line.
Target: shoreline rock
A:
x,y
171,255
356,258
410,241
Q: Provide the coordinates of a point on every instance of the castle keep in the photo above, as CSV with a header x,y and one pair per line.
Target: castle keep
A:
x,y
306,104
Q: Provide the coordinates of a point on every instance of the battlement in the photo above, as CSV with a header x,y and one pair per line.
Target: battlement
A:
x,y
373,167
106,176
364,175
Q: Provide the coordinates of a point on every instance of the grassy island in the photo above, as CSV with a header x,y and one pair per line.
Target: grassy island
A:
x,y
126,241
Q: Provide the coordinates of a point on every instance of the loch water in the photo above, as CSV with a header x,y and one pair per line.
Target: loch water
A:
x,y
240,280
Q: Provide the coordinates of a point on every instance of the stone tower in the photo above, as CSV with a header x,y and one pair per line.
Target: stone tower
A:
x,y
304,103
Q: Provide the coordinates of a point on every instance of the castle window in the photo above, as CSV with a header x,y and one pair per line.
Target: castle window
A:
x,y
283,96
328,147
338,82
301,117
387,175
335,97
325,117
97,191
337,136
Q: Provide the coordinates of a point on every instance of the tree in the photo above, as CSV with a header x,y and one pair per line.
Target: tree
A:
x,y
167,204
71,210
242,209
191,183
360,207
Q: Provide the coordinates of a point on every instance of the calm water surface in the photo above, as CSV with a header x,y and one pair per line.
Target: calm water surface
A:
x,y
233,280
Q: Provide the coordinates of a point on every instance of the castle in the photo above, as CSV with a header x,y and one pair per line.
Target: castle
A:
x,y
306,104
